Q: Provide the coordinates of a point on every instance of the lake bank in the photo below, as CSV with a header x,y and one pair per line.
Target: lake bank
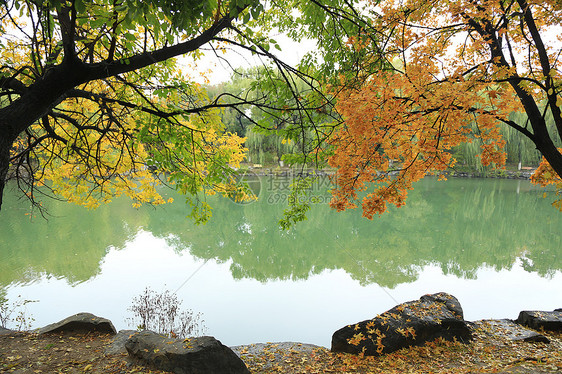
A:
x,y
442,342
24,352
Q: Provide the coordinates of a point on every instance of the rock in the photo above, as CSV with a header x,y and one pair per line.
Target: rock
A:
x,y
194,356
117,344
412,323
550,321
507,329
269,356
81,322
257,349
5,331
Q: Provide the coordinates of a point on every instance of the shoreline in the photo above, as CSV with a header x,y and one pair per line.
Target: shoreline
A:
x,y
26,352
290,172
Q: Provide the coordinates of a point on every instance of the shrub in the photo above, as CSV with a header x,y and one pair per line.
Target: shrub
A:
x,y
161,313
15,315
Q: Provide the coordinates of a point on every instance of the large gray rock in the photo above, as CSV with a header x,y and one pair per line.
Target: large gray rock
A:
x,y
549,321
412,323
204,355
82,323
117,344
269,356
5,331
505,329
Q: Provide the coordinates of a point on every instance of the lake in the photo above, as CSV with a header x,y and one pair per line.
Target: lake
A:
x,y
494,244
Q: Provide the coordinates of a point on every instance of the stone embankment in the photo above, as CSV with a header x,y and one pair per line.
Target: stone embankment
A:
x,y
285,172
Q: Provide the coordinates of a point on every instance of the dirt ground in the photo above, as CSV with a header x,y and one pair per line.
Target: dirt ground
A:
x,y
75,353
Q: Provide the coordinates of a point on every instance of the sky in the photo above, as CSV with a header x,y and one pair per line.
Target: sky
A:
x,y
218,70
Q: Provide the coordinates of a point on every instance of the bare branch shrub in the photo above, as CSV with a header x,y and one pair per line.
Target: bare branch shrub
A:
x,y
15,315
161,313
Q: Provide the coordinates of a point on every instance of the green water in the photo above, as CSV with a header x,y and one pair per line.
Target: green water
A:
x,y
459,224
457,227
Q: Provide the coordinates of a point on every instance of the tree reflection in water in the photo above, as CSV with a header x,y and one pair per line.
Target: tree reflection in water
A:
x,y
459,225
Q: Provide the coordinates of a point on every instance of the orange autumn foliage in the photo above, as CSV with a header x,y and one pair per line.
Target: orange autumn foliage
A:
x,y
442,82
544,176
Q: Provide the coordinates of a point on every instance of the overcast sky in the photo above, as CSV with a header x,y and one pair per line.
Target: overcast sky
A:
x,y
218,71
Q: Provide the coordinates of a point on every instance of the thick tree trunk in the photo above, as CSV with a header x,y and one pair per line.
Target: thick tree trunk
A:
x,y
552,155
4,166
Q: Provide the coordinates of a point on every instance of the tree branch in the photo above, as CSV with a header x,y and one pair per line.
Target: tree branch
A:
x,y
108,69
67,16
545,64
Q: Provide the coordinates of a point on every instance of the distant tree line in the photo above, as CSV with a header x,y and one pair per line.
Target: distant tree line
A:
x,y
271,148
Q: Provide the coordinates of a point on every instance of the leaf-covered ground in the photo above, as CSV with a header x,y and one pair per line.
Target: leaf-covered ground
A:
x,y
31,353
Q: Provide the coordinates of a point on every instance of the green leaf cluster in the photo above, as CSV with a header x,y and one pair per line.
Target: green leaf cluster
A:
x,y
298,203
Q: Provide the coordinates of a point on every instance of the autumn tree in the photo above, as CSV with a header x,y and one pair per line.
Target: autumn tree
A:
x,y
93,103
446,72
92,99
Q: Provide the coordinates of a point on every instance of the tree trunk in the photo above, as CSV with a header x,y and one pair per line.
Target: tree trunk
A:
x,y
4,166
552,155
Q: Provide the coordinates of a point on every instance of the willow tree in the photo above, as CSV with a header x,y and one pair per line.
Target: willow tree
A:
x,y
449,72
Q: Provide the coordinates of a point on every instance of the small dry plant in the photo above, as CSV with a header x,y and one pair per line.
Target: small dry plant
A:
x,y
161,313
15,315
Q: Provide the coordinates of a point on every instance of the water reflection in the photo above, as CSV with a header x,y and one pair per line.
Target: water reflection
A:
x,y
70,243
460,225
